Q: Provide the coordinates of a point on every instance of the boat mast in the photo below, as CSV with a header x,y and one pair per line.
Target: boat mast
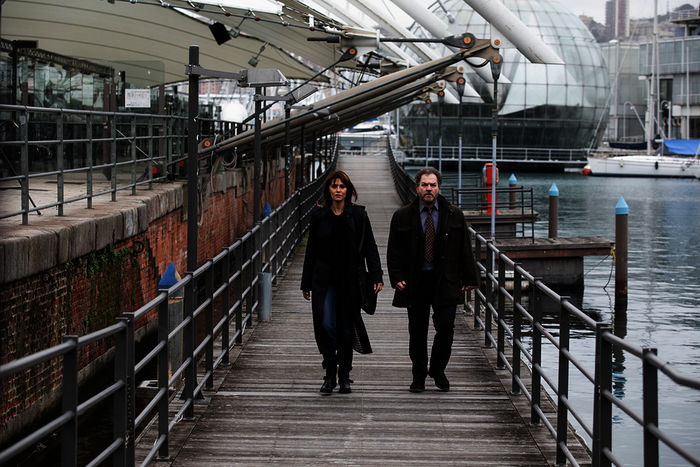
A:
x,y
652,89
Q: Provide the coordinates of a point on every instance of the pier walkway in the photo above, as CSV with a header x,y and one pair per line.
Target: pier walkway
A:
x,y
266,408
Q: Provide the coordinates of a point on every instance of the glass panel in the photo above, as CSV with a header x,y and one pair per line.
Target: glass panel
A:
x,y
536,73
556,95
536,94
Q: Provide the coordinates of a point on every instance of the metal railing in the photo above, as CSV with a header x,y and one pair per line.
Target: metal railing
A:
x,y
492,297
109,152
227,282
417,154
513,204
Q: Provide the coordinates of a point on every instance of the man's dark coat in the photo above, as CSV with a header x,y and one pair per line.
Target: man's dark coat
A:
x,y
317,270
453,263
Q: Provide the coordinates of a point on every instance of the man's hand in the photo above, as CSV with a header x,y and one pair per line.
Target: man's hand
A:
x,y
307,294
401,285
377,287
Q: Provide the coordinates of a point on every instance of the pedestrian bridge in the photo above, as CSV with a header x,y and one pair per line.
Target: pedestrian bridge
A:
x,y
246,390
266,408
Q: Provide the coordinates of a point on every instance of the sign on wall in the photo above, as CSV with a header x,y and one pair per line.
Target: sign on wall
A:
x,y
139,98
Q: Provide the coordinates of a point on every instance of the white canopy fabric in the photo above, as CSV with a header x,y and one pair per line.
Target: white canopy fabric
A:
x,y
150,42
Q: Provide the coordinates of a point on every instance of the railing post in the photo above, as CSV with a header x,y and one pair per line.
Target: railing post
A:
x,y
563,381
650,402
602,407
24,165
489,294
517,328
477,299
120,399
133,155
60,163
163,375
536,383
209,324
188,342
69,431
90,162
130,438
238,288
225,306
113,154
151,155
501,319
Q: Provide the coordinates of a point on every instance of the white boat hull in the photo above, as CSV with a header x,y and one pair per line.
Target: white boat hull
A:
x,y
645,166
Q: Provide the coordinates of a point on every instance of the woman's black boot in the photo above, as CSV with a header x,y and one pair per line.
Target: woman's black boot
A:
x,y
344,382
328,381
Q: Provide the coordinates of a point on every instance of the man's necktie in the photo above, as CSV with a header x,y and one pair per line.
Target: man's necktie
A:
x,y
429,236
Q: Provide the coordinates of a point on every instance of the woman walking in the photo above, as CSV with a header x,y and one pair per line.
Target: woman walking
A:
x,y
338,228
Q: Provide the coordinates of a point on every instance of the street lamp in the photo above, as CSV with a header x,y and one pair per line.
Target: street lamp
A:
x,y
427,130
496,65
295,96
441,100
460,90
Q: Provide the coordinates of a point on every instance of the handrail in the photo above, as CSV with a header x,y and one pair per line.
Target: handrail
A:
x,y
491,299
235,270
110,151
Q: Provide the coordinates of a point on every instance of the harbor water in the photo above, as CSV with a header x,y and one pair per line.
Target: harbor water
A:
x,y
664,292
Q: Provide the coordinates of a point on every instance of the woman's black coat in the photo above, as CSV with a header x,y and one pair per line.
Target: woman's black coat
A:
x,y
317,270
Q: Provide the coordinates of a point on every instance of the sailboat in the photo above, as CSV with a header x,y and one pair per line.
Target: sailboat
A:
x,y
673,158
679,164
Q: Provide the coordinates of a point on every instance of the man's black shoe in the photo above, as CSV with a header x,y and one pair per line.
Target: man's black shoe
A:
x,y
417,386
345,385
328,385
441,381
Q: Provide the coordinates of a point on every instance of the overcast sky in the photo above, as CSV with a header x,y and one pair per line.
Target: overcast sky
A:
x,y
637,8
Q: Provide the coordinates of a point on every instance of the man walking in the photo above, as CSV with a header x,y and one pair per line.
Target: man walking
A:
x,y
430,262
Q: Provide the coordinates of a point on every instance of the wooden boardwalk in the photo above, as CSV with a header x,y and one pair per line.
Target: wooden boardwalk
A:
x,y
267,409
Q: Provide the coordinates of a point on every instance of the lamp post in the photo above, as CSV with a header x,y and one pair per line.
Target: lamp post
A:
x,y
441,100
460,91
427,130
496,65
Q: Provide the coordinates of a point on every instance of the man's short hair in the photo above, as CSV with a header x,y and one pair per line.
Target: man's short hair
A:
x,y
429,171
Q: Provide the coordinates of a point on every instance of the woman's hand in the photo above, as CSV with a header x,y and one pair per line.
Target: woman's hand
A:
x,y
307,294
377,287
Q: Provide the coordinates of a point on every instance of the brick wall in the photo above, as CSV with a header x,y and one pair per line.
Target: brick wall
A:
x,y
87,293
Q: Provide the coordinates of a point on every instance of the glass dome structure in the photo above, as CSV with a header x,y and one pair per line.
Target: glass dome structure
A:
x,y
539,106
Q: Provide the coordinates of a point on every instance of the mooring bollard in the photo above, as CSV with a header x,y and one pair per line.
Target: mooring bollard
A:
x,y
265,304
621,234
175,315
553,211
512,181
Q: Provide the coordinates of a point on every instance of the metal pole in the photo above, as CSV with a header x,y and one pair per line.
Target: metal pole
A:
x,y
687,89
459,150
257,155
621,216
440,99
192,162
427,131
553,211
287,151
494,137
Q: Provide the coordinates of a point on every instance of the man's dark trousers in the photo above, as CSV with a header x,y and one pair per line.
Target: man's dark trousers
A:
x,y
418,322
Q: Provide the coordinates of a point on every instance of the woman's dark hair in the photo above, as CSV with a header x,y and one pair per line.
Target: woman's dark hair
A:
x,y
327,201
429,171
